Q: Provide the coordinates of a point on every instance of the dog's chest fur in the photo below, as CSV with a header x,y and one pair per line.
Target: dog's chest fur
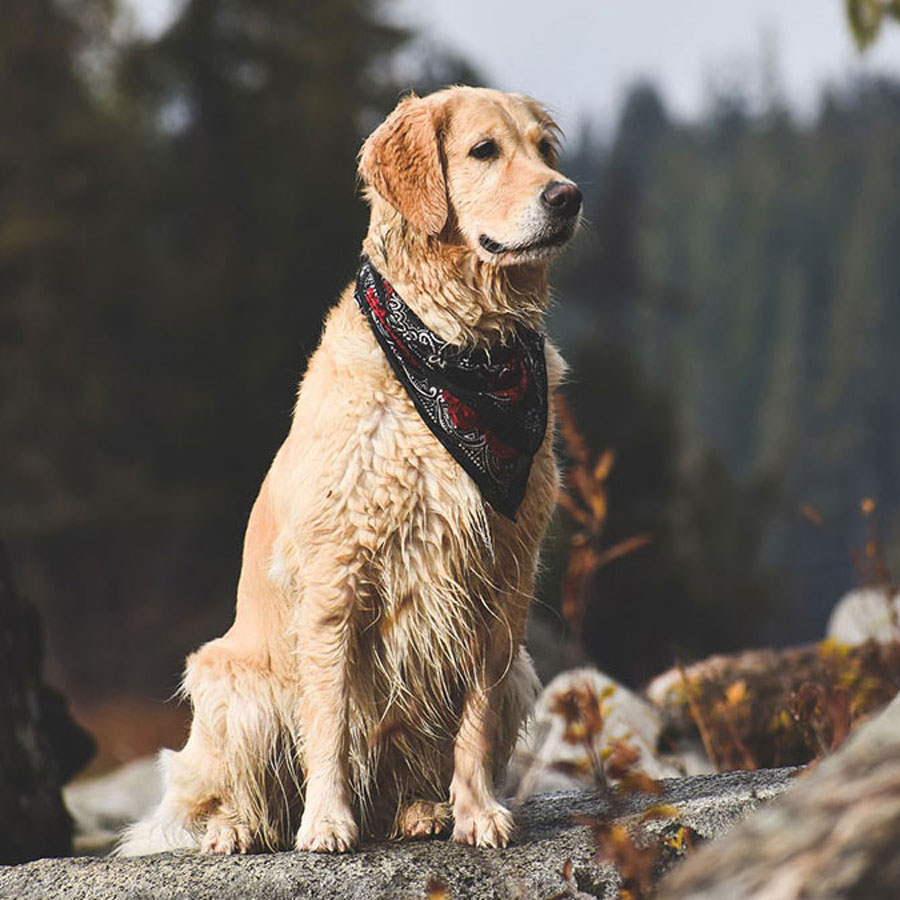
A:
x,y
436,574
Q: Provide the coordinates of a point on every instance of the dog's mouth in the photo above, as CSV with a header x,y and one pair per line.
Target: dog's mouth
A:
x,y
547,242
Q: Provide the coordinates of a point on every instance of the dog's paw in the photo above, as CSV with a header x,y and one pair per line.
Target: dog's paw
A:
x,y
225,837
424,818
491,826
336,833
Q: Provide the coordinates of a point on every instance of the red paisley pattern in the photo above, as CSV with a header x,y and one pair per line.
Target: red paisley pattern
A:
x,y
461,414
487,407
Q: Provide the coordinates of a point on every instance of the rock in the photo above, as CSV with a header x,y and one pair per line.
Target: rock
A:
x,y
863,615
546,642
101,807
533,866
547,759
40,745
834,834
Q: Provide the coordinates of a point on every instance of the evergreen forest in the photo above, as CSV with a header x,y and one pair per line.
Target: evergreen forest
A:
x,y
177,213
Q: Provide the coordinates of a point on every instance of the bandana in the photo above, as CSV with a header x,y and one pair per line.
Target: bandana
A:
x,y
488,407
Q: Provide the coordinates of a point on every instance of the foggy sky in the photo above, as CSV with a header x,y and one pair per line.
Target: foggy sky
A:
x,y
579,55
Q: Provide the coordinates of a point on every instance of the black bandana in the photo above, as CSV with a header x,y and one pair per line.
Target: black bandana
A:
x,y
488,407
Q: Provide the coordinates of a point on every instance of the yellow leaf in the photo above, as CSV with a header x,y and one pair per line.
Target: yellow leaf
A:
x,y
604,465
598,505
782,721
736,693
833,649
660,811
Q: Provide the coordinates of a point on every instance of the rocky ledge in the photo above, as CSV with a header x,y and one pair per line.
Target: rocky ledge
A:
x,y
552,829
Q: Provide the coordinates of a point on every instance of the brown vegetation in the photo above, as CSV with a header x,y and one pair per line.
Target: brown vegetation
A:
x,y
585,499
768,707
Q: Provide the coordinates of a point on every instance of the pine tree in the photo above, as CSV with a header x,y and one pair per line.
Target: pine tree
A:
x,y
56,151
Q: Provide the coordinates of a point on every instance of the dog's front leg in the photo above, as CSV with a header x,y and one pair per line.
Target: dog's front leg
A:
x,y
322,632
480,819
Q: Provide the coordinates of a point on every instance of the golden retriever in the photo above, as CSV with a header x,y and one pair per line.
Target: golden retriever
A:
x,y
374,680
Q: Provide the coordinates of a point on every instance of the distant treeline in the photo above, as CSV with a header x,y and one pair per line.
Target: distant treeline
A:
x,y
176,216
177,213
738,297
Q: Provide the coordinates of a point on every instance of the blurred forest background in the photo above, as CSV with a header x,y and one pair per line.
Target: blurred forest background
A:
x,y
177,213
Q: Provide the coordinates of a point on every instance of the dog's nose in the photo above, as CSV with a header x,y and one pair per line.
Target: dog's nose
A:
x,y
561,198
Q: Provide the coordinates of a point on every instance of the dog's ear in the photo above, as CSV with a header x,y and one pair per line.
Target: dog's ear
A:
x,y
401,160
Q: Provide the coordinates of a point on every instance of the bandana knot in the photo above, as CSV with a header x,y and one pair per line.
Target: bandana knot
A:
x,y
487,406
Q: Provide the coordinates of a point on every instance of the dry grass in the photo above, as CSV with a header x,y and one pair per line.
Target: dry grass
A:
x,y
764,708
761,708
586,500
636,851
789,707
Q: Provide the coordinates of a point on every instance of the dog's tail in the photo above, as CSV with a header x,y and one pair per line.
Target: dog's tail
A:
x,y
165,828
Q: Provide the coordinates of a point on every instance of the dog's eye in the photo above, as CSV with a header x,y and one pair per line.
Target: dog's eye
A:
x,y
485,150
546,149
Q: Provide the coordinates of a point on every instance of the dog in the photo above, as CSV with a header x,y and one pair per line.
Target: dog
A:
x,y
374,681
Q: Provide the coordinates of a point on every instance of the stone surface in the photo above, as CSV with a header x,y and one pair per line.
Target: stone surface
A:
x,y
863,615
40,745
544,761
531,867
834,834
101,807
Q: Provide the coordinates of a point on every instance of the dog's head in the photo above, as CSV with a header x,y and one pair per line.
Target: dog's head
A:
x,y
475,167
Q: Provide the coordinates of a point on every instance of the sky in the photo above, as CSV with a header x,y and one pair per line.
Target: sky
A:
x,y
578,56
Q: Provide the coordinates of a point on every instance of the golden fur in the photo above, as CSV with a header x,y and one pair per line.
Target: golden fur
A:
x,y
374,678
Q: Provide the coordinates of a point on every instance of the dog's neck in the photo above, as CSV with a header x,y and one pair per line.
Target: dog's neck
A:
x,y
462,299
